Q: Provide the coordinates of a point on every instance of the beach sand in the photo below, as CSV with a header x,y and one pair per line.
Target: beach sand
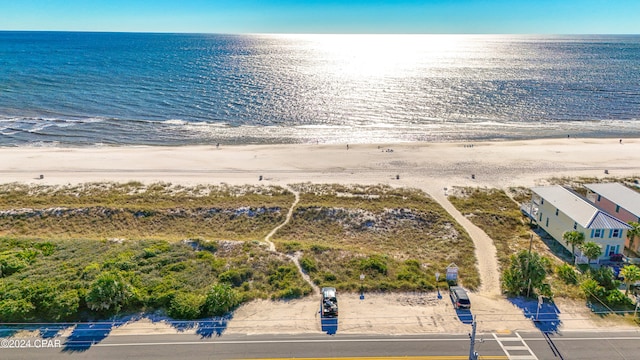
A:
x,y
418,165
432,167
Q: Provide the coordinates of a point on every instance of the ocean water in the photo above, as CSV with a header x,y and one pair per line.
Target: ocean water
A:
x,y
87,89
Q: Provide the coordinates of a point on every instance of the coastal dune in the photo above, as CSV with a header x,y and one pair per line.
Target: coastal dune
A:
x,y
432,167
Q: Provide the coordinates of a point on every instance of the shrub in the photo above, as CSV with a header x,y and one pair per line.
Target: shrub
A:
x,y
15,310
592,290
220,299
618,299
162,292
91,271
149,252
59,306
604,277
410,271
27,255
327,276
291,246
109,292
290,293
567,274
10,263
308,264
210,246
317,248
232,277
46,248
186,306
374,263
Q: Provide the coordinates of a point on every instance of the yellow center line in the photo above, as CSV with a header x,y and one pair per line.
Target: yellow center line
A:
x,y
435,357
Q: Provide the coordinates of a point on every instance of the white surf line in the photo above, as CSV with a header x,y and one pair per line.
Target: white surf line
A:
x,y
293,258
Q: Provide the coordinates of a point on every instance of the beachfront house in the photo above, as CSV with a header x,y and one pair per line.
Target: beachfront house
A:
x,y
557,210
619,201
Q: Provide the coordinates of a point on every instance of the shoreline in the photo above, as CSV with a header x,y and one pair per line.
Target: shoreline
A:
x,y
416,165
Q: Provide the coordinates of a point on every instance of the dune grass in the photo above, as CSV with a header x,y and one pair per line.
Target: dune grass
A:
x,y
397,238
162,247
133,211
498,215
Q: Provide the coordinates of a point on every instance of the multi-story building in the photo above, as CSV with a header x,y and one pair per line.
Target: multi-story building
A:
x,y
557,210
619,201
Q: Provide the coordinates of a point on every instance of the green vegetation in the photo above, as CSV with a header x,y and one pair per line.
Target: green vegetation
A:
x,y
573,238
498,215
631,274
591,250
526,275
95,250
602,289
567,273
397,238
89,279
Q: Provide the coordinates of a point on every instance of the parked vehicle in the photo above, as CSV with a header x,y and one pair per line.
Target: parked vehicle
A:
x,y
329,302
459,297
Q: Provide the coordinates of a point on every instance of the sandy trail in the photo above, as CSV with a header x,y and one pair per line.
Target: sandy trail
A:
x,y
267,239
427,166
485,250
296,257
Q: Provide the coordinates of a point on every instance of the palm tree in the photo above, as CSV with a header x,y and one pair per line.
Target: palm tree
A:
x,y
527,271
591,250
633,232
631,274
573,238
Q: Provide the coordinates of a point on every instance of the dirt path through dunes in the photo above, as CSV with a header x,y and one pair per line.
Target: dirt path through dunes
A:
x,y
485,249
295,257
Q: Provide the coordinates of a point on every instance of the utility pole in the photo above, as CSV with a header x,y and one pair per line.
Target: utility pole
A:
x,y
473,355
528,265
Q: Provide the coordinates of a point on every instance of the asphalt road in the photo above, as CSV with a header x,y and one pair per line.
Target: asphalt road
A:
x,y
565,346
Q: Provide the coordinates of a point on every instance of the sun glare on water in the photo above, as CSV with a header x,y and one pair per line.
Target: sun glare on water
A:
x,y
362,56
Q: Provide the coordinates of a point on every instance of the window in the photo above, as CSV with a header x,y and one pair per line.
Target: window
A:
x,y
556,212
617,208
541,201
547,224
575,226
615,233
540,219
598,233
599,198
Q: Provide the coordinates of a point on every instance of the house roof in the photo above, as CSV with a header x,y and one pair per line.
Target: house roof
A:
x,y
619,194
578,208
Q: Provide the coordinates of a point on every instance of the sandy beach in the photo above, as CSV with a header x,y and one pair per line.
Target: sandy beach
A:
x,y
432,167
418,165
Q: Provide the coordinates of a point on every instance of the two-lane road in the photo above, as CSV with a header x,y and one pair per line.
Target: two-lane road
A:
x,y
568,345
